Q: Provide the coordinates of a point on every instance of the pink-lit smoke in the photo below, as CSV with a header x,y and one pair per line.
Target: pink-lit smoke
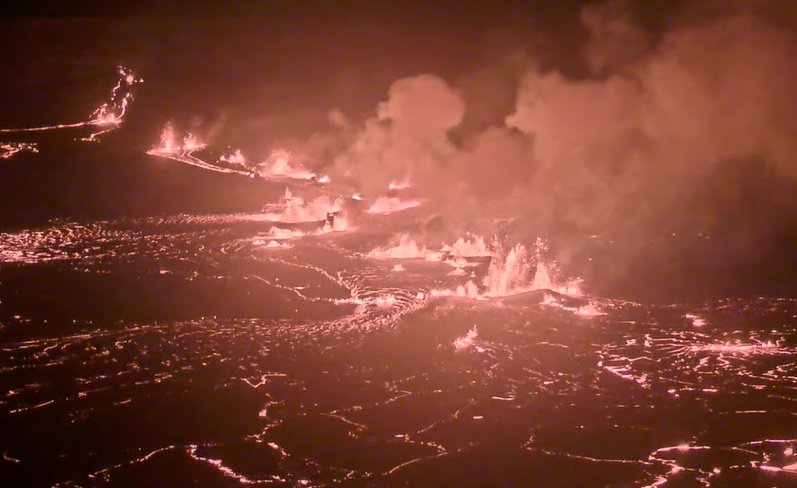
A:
x,y
630,150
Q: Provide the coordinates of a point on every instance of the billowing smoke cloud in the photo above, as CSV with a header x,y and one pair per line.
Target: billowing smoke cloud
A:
x,y
630,154
633,151
654,132
408,136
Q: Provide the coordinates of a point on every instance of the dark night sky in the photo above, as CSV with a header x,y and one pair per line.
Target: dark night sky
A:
x,y
247,58
272,70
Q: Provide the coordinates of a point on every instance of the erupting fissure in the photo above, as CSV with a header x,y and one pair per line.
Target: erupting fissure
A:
x,y
115,108
182,150
469,246
292,209
104,118
388,205
282,164
510,272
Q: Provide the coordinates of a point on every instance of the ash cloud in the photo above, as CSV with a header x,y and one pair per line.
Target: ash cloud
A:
x,y
638,149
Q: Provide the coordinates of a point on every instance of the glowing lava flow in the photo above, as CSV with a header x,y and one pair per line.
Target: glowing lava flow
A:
x,y
469,246
171,147
277,166
235,158
282,164
510,273
111,113
104,118
275,237
399,185
407,248
293,209
741,349
468,341
389,205
9,149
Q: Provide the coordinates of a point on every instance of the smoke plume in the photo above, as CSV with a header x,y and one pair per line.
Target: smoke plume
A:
x,y
630,152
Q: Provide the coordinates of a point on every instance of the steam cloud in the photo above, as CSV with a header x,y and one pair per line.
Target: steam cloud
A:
x,y
630,151
408,135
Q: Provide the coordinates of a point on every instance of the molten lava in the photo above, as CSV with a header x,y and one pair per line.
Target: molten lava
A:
x,y
282,164
294,209
182,150
388,205
105,118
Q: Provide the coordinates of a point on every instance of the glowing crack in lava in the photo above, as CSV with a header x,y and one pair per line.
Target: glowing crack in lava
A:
x,y
448,374
9,149
105,118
